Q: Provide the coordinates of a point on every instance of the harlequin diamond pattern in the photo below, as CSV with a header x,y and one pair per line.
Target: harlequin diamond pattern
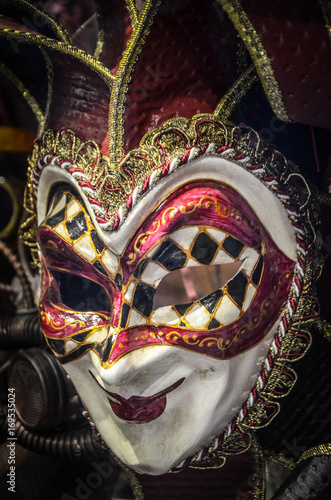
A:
x,y
67,218
217,309
204,249
170,256
77,226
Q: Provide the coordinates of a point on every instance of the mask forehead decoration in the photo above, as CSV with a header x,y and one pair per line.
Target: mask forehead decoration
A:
x,y
177,251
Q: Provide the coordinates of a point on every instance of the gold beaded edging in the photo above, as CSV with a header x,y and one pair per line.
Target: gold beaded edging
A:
x,y
118,85
50,89
259,479
101,32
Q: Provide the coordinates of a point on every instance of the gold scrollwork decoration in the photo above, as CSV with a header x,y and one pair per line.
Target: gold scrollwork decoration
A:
x,y
140,242
57,325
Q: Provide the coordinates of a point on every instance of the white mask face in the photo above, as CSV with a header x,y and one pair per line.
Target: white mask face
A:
x,y
163,326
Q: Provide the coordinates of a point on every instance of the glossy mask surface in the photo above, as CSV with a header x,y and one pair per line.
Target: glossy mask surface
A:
x,y
164,332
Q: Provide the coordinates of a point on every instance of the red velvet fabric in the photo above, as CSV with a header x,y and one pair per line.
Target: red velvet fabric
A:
x,y
298,44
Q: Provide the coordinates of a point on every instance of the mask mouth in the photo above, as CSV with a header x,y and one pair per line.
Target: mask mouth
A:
x,y
139,409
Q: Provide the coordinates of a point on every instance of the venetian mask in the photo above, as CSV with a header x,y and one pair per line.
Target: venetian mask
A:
x,y
165,324
174,268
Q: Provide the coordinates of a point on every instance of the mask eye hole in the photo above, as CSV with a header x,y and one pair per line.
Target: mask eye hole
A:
x,y
191,283
81,294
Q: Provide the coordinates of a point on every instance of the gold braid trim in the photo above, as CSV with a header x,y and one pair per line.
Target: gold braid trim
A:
x,y
316,451
42,41
326,10
259,55
135,485
324,328
161,152
259,480
131,474
133,11
25,93
101,31
50,88
279,459
58,29
123,75
235,94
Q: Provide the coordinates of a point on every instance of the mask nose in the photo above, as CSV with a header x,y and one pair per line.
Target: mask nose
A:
x,y
136,366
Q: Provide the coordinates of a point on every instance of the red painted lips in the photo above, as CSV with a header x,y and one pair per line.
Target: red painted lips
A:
x,y
140,409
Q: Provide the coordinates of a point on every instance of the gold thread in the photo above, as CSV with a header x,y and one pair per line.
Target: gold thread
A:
x,y
324,327
326,11
50,78
133,11
50,21
316,451
126,66
25,93
101,32
279,459
259,55
134,482
114,185
259,481
234,95
61,47
178,135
